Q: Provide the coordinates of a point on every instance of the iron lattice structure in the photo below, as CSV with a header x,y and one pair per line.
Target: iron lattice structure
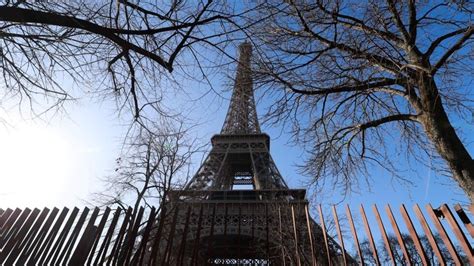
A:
x,y
240,153
242,115
264,223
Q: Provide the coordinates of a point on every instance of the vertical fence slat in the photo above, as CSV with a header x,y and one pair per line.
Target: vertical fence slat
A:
x,y
354,234
448,215
5,215
267,231
17,236
31,237
280,238
198,236
121,234
369,235
465,220
401,242
225,220
98,234
384,233
56,249
429,235
323,227
339,234
182,246
41,252
293,219
209,242
102,253
310,233
140,254
26,240
414,235
239,242
444,236
127,248
157,236
169,247
33,245
12,226
73,237
85,243
8,223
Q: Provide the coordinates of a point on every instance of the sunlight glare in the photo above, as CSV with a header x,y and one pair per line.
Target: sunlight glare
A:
x,y
34,162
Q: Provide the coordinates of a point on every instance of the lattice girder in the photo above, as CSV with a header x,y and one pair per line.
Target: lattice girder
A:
x,y
268,231
242,114
233,155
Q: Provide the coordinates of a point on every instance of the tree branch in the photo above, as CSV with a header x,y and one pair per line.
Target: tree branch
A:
x,y
458,45
440,39
413,21
398,21
387,119
185,37
12,14
380,84
360,25
373,58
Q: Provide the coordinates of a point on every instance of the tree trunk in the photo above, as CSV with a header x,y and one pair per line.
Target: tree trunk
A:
x,y
440,131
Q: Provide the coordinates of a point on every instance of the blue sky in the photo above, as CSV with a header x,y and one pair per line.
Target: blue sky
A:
x,y
89,136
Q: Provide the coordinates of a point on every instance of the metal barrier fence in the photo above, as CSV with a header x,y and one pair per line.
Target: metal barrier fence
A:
x,y
74,237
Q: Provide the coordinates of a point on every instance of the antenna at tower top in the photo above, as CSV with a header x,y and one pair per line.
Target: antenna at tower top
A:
x,y
242,114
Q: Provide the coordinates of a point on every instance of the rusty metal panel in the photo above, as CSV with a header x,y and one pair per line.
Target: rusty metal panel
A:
x,y
369,235
5,215
73,237
86,241
400,239
310,233
414,235
211,233
354,234
339,233
36,240
126,250
41,252
16,237
32,237
12,226
293,219
121,234
384,233
182,246
23,239
429,235
198,233
444,236
98,235
448,215
102,254
323,226
465,220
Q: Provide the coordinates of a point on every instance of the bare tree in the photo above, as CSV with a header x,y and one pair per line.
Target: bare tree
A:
x,y
360,82
121,48
153,162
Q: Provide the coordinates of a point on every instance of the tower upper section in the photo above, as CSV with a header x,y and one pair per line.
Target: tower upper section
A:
x,y
240,154
242,115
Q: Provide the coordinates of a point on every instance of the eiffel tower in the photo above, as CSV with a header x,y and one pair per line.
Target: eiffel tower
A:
x,y
237,209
